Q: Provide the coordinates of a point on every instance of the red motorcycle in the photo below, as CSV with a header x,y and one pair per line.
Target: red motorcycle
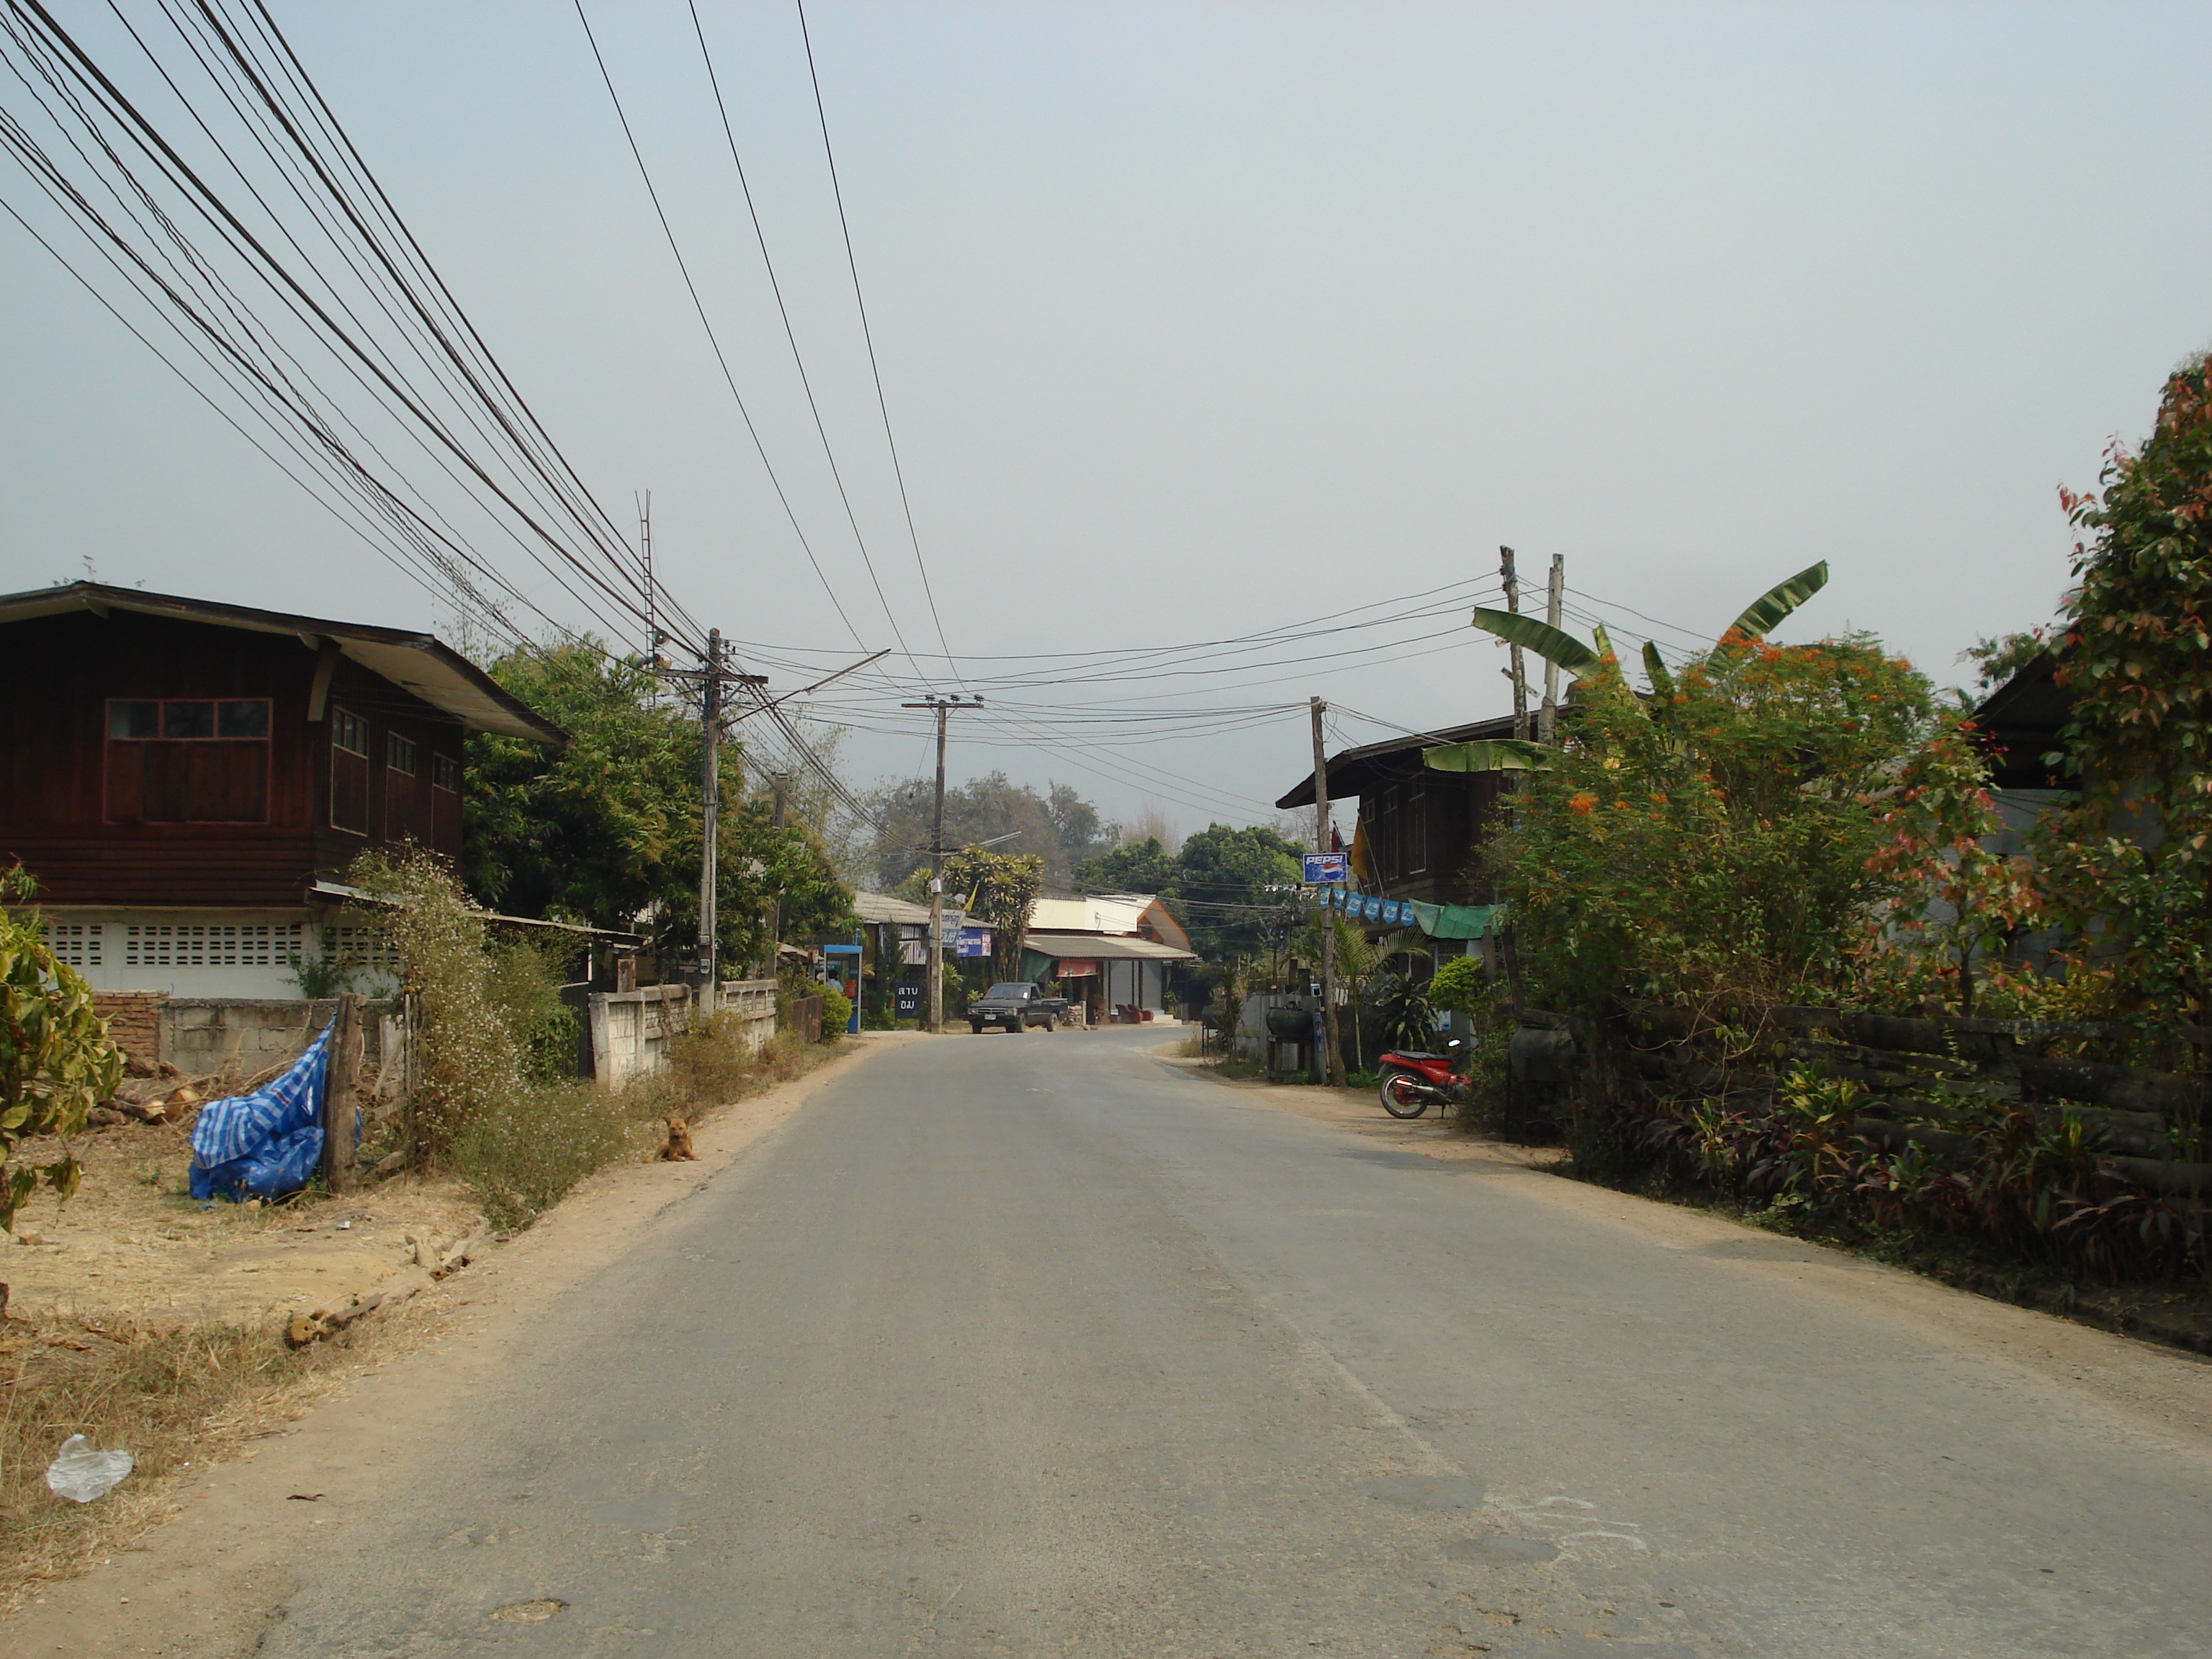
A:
x,y
1412,1079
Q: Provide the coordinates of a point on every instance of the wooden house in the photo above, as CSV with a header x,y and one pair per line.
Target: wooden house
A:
x,y
1421,833
186,779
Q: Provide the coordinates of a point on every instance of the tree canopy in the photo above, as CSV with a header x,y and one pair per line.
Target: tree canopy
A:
x,y
608,832
1058,827
2132,864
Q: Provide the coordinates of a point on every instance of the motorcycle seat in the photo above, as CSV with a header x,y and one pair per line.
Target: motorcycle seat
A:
x,y
1413,1054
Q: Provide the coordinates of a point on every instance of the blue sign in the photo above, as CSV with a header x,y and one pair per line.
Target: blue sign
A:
x,y
974,942
1327,867
1371,908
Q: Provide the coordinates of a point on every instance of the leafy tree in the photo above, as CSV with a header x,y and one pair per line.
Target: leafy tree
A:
x,y
1003,888
1136,867
1717,844
2132,866
1958,899
56,1059
1222,865
598,833
609,831
1083,833
1998,657
1059,828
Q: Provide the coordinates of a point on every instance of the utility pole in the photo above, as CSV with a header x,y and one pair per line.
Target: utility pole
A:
x,y
780,783
711,678
941,707
652,601
1555,596
1519,678
1333,1050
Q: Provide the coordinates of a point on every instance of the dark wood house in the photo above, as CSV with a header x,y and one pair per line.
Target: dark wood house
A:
x,y
1423,831
179,775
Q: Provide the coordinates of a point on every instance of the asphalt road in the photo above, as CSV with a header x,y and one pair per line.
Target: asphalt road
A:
x,y
1030,1346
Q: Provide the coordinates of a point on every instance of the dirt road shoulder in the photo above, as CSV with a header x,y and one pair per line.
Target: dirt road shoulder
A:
x,y
204,1584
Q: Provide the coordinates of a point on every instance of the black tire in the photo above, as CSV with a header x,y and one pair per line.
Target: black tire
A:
x,y
1014,1026
976,1026
1400,1095
1048,1024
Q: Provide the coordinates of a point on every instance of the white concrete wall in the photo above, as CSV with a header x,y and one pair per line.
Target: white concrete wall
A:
x,y
630,1030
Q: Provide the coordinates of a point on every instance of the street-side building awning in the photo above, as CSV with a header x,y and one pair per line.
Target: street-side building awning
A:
x,y
1104,947
1458,921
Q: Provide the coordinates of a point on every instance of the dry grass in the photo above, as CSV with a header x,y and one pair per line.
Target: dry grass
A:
x,y
523,1154
173,1396
180,1393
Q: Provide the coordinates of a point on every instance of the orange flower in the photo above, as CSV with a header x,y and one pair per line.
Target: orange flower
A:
x,y
1583,802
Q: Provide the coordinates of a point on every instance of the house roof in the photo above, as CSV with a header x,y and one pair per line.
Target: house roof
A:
x,y
1358,771
882,907
419,663
1106,947
2019,721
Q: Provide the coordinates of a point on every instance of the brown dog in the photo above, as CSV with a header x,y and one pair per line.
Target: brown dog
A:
x,y
679,1141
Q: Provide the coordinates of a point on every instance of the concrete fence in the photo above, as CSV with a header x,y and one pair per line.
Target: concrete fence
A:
x,y
629,1031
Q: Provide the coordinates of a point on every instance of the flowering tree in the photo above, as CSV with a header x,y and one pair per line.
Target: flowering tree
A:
x,y
2132,864
1720,842
1957,899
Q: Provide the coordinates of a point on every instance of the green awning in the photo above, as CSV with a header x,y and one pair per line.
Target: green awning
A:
x,y
1458,920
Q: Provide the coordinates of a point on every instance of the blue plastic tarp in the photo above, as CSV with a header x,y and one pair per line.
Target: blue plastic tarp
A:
x,y
267,1144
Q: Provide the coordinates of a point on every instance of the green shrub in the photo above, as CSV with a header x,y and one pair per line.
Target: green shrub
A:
x,y
55,1056
836,1011
521,1153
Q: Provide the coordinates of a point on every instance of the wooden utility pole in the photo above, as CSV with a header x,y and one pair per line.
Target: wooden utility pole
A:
x,y
779,784
941,707
710,809
1517,674
1555,595
711,678
1333,1050
340,1090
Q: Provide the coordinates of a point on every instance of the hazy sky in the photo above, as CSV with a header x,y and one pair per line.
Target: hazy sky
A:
x,y
1199,320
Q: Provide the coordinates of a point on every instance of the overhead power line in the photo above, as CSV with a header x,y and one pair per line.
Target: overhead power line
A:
x,y
867,333
699,305
363,296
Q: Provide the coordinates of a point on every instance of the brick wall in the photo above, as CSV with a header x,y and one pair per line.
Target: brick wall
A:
x,y
134,1020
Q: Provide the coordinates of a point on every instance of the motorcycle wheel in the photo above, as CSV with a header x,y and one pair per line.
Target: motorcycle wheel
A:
x,y
1402,1096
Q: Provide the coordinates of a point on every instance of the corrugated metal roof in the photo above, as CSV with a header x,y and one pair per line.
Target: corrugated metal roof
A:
x,y
882,908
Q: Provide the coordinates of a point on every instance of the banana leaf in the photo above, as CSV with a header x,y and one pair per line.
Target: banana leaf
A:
x,y
1662,682
1546,641
1779,602
1488,754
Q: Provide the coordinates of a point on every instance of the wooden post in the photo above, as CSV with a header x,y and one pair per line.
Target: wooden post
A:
x,y
1548,720
1517,673
341,1093
1332,1065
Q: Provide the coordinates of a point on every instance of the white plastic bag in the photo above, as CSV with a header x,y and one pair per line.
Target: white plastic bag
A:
x,y
80,1475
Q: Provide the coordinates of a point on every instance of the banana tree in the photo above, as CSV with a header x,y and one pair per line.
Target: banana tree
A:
x,y
1578,660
